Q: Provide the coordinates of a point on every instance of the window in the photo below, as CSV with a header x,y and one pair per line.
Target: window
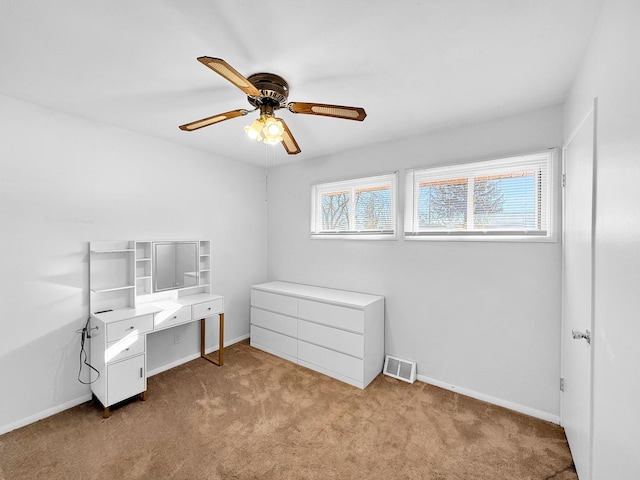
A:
x,y
362,208
509,198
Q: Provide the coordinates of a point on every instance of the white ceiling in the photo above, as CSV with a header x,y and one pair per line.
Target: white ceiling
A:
x,y
414,65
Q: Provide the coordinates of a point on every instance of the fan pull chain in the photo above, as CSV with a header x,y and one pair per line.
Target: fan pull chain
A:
x,y
266,172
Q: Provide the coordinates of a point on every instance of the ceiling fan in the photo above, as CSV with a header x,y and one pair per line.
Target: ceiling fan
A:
x,y
268,92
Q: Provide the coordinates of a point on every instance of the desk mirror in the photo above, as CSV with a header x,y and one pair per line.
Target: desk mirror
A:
x,y
175,265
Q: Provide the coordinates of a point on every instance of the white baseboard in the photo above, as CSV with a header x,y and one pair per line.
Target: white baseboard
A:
x,y
44,414
549,417
85,398
193,356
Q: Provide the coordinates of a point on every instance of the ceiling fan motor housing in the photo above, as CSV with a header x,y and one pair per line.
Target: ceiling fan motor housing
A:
x,y
274,90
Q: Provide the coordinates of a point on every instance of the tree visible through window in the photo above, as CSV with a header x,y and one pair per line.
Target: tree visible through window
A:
x,y
335,211
363,206
501,197
373,208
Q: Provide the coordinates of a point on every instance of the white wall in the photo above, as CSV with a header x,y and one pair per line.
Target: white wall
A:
x,y
483,317
611,72
65,181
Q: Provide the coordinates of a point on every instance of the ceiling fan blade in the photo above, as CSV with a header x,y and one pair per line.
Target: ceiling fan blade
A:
x,y
227,71
336,111
288,142
221,117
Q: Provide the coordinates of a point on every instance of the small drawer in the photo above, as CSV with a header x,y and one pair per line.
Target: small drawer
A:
x,y
333,338
171,317
275,303
135,325
274,321
332,315
124,348
206,309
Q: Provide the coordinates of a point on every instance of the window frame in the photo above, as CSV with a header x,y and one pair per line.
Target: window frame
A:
x,y
548,204
351,185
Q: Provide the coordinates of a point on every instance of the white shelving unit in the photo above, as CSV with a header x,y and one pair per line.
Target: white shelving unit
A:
x,y
143,268
205,265
111,277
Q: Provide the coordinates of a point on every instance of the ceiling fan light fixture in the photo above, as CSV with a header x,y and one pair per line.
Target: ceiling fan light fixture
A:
x,y
272,131
254,131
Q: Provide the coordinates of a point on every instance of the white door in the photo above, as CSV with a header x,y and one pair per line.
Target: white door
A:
x,y
577,284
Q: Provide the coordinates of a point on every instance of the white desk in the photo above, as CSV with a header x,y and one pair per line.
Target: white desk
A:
x,y
119,338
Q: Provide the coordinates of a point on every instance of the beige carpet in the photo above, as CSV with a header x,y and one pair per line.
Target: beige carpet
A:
x,y
260,417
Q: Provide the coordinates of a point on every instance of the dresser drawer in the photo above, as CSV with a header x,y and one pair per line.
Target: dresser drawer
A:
x,y
274,321
122,328
124,348
332,315
333,361
275,303
340,340
274,343
206,309
172,317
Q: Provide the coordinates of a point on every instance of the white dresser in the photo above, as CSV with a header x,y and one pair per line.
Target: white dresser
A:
x,y
335,332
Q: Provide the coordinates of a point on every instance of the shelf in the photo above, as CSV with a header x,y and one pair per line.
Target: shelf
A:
x,y
143,285
205,278
205,248
123,250
143,269
143,251
111,289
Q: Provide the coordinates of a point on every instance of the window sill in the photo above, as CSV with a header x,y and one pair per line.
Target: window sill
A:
x,y
482,238
352,236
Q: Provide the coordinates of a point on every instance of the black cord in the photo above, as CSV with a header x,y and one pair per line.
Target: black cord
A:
x,y
83,356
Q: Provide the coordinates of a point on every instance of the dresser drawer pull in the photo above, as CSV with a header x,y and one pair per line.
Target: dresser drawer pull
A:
x,y
175,316
131,327
209,308
140,372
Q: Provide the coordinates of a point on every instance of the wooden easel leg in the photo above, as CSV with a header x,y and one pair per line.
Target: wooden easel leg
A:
x,y
220,360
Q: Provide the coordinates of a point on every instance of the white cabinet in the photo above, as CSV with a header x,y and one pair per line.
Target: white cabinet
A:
x,y
335,332
118,345
127,379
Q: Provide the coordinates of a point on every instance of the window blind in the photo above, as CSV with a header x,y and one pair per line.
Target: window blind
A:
x,y
364,207
503,197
